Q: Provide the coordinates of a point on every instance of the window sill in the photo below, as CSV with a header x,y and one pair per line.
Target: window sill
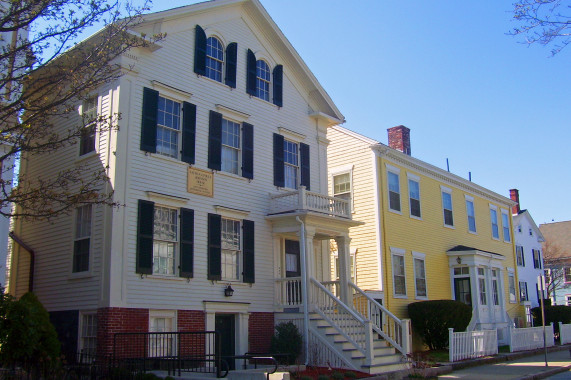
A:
x,y
164,277
507,241
423,298
221,83
86,156
79,275
232,175
402,297
496,239
264,101
166,158
449,226
395,211
472,232
416,217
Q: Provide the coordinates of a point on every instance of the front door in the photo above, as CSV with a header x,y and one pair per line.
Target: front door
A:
x,y
293,269
462,290
225,325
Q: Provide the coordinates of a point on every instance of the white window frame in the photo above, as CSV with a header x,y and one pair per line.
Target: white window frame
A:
x,y
169,340
229,148
83,229
295,167
91,337
420,257
448,191
91,127
470,199
211,71
482,291
231,251
261,93
511,286
395,171
352,265
522,291
494,209
519,256
170,129
495,287
398,252
414,178
536,253
506,230
567,274
170,272
567,299
349,193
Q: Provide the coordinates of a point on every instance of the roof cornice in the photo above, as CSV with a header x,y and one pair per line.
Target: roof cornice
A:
x,y
440,174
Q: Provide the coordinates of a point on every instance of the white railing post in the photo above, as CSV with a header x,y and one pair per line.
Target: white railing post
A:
x,y
302,201
511,337
406,336
451,344
369,341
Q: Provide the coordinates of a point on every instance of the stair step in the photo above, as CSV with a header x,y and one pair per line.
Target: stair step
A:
x,y
384,368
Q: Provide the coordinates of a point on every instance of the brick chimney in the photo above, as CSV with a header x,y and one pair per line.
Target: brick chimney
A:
x,y
514,195
399,138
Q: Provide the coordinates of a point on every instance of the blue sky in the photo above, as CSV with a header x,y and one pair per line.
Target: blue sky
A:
x,y
447,70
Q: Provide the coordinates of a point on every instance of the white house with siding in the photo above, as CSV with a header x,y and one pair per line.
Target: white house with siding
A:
x,y
529,256
220,162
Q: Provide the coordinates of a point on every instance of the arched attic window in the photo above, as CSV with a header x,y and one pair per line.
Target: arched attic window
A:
x,y
214,59
262,80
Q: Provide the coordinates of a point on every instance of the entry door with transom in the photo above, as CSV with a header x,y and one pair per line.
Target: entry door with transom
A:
x,y
225,326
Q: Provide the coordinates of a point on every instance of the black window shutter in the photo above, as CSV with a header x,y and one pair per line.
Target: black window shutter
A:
x,y
247,150
305,168
145,222
186,243
231,64
149,120
215,141
522,256
248,275
199,51
251,73
279,174
214,247
188,132
278,74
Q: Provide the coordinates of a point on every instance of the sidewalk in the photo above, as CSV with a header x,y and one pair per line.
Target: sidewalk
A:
x,y
514,366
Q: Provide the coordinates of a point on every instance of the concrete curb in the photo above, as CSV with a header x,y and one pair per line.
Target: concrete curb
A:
x,y
547,373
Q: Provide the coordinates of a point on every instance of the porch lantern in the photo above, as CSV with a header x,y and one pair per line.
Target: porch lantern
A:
x,y
228,291
459,260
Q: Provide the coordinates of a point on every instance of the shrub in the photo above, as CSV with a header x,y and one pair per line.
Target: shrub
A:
x,y
287,340
432,319
27,337
350,375
322,377
337,376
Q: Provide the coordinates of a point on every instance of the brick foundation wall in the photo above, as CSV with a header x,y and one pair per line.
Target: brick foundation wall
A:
x,y
111,320
261,330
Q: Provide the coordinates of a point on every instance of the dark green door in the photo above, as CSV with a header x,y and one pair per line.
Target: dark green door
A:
x,y
225,325
462,290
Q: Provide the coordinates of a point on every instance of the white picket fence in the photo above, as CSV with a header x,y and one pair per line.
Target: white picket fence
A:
x,y
565,333
530,338
471,344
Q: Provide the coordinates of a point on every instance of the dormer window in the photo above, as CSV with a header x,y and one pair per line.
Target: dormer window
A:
x,y
214,59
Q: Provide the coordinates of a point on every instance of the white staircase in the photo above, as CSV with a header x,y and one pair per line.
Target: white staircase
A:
x,y
365,337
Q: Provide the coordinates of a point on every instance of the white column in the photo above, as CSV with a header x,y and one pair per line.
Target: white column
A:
x,y
475,294
343,252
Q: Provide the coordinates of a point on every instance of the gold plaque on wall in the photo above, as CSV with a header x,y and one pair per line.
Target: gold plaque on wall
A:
x,y
200,182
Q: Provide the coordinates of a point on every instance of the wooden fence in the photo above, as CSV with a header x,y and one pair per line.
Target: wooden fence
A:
x,y
472,344
530,338
565,333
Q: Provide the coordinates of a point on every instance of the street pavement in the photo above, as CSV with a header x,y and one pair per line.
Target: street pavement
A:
x,y
524,368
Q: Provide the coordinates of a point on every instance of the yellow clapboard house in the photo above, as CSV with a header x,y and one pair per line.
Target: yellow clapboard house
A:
x,y
427,234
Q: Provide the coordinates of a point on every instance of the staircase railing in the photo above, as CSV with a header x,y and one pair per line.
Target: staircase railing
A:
x,y
342,318
386,324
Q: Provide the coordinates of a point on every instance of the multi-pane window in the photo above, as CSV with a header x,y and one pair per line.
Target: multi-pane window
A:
x,y
165,238
230,249
482,287
471,213
506,227
419,277
520,260
414,197
214,59
82,239
262,80
88,335
447,208
89,114
342,186
352,267
536,258
567,274
568,300
291,164
168,127
394,191
511,284
161,345
494,221
399,277
230,146
495,288
523,291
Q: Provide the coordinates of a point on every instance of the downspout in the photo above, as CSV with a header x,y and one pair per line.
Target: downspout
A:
x,y
32,259
304,290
